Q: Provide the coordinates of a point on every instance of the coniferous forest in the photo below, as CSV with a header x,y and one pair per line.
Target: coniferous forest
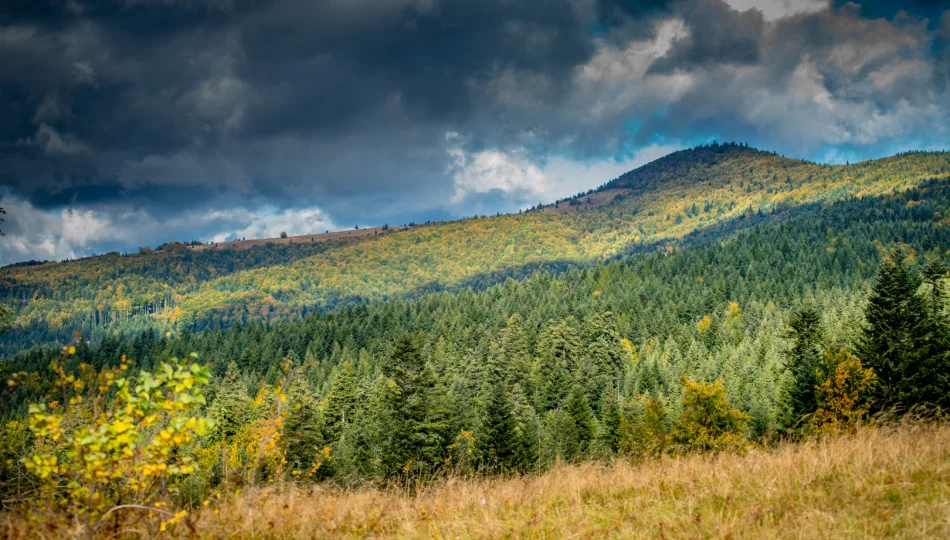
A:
x,y
726,302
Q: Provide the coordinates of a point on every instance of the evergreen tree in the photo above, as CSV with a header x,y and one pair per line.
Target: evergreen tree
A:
x,y
901,341
610,420
529,428
556,386
340,402
302,436
413,419
230,407
558,347
516,354
498,437
804,331
938,390
585,424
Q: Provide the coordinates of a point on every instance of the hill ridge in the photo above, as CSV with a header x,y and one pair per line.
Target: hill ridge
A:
x,y
194,289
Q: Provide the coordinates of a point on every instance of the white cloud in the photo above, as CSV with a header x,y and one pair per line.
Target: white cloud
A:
x,y
527,182
615,81
511,172
913,71
34,234
778,9
269,224
565,177
74,232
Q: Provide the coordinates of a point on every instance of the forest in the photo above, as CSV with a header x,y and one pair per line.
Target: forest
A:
x,y
784,322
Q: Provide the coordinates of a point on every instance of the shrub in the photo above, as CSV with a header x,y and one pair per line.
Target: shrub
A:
x,y
121,447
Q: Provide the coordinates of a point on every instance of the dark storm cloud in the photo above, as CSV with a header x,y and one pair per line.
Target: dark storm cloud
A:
x,y
322,65
129,86
719,35
614,13
122,115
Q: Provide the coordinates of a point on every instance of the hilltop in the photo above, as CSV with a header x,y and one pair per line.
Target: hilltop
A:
x,y
716,187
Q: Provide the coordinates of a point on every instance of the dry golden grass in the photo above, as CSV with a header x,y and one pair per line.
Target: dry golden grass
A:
x,y
880,482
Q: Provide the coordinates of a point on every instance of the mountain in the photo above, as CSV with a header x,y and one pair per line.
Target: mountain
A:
x,y
710,188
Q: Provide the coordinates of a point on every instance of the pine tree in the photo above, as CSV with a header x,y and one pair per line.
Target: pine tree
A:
x,y
602,344
558,346
559,343
556,386
937,391
302,437
804,331
413,413
230,407
529,428
580,411
901,342
610,420
340,402
498,437
516,354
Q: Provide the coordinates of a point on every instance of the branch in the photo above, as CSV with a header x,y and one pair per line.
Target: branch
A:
x,y
136,507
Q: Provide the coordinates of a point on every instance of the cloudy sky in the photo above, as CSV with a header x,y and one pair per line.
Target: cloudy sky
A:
x,y
133,122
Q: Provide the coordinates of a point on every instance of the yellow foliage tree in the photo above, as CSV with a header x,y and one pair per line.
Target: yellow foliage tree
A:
x,y
126,452
708,422
645,435
843,396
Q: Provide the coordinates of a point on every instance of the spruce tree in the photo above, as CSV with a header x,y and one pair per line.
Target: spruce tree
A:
x,y
901,342
804,331
230,407
610,420
340,402
517,356
556,386
498,438
529,428
585,424
936,372
413,413
302,437
558,346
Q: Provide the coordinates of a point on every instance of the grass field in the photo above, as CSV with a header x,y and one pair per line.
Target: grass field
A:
x,y
892,481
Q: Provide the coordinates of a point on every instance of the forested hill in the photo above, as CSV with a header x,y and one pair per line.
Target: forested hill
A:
x,y
715,187
802,321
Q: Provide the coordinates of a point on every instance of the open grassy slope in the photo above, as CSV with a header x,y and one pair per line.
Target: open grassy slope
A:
x,y
661,202
884,482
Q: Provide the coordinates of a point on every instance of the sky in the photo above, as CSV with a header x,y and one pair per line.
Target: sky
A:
x,y
129,123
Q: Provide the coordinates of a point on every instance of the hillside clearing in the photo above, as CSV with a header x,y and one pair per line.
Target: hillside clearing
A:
x,y
880,482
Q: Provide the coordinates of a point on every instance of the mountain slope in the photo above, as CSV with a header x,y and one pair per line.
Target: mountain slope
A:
x,y
741,288
662,202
